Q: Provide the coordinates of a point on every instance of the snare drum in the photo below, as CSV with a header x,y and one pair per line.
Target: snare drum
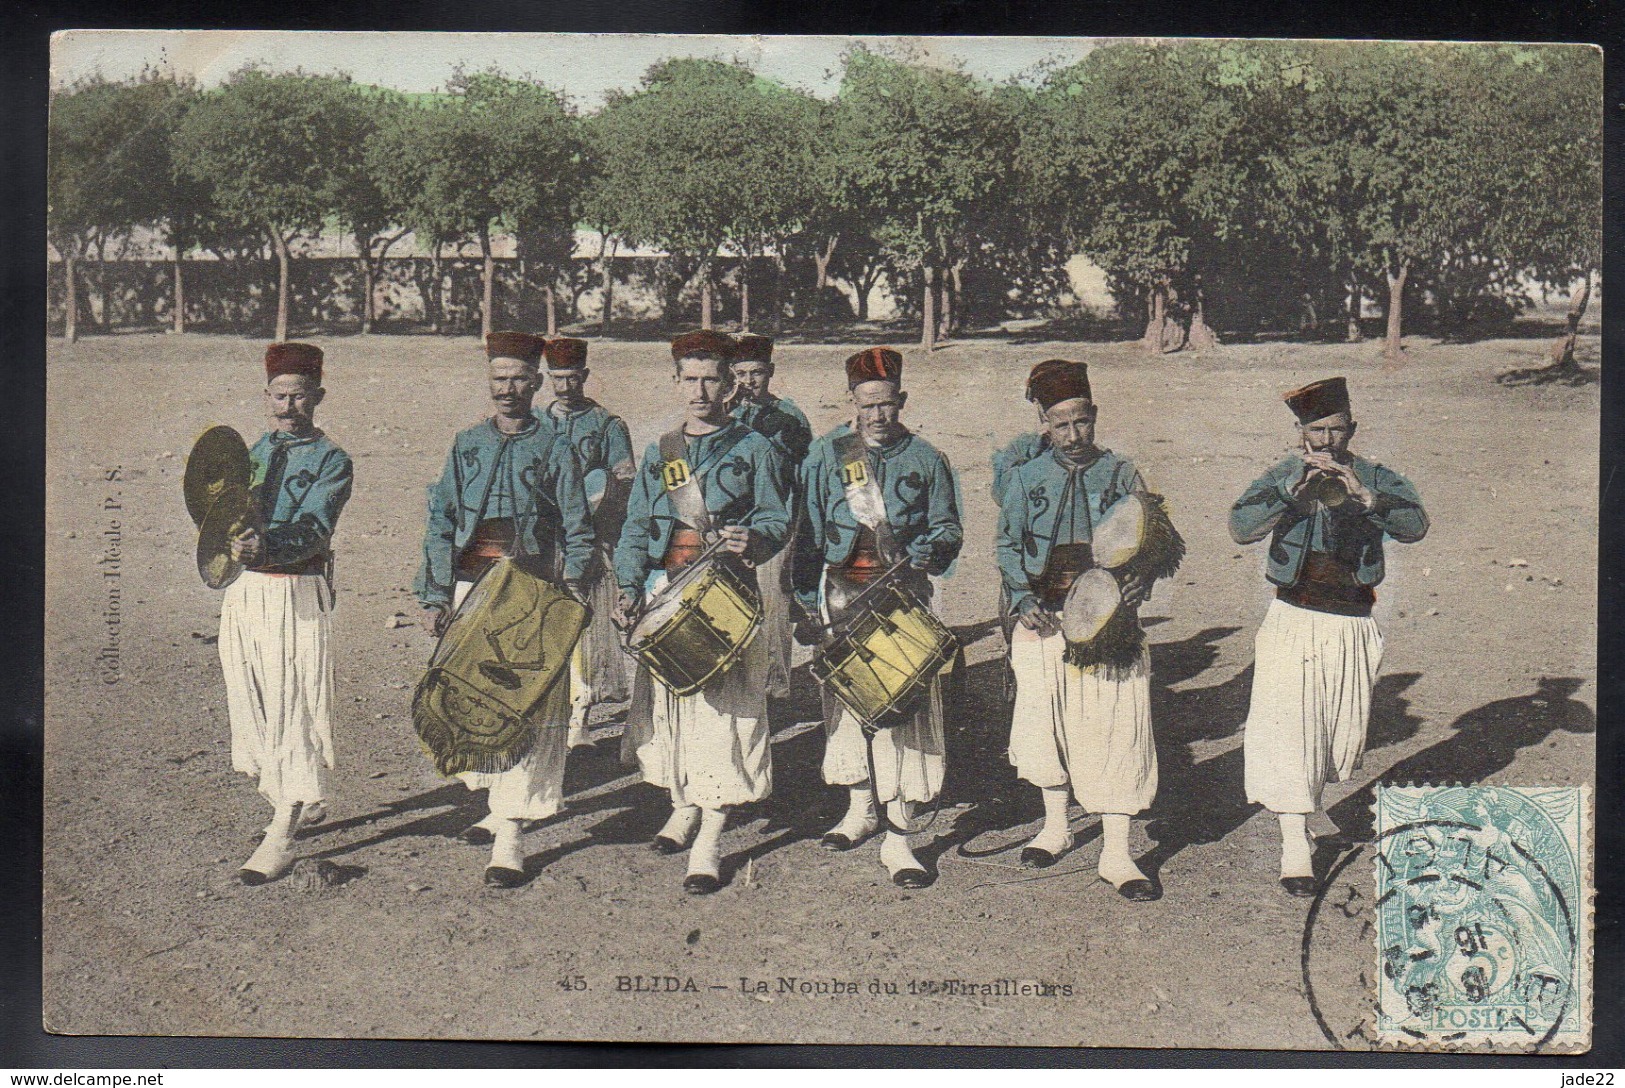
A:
x,y
881,662
697,626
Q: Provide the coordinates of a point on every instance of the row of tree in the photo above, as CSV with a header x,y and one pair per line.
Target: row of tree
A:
x,y
1191,172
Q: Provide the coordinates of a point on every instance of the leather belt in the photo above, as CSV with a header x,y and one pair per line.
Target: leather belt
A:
x,y
1328,585
315,564
492,540
1065,563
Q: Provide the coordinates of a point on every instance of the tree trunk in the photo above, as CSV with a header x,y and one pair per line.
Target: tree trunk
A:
x,y
487,286
778,292
1201,336
178,318
435,303
865,283
103,318
821,261
1393,347
609,290
1157,317
928,324
705,296
366,289
1355,304
71,276
1563,350
281,245
744,295
552,305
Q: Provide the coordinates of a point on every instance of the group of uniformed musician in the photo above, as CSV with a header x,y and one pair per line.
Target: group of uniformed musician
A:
x,y
812,528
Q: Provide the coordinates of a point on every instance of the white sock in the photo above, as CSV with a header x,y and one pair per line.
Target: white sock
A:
x,y
578,736
1116,863
506,851
681,824
861,819
1297,855
706,854
895,853
274,855
1056,835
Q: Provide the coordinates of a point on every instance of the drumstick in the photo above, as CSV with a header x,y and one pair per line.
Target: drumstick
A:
x,y
687,575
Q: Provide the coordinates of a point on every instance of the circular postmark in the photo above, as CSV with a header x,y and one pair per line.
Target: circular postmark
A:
x,y
1459,925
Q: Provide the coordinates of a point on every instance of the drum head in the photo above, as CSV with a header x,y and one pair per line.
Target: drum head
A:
x,y
1094,598
1120,534
223,521
218,460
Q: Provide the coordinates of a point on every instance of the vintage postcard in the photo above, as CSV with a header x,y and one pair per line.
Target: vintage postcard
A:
x,y
1065,542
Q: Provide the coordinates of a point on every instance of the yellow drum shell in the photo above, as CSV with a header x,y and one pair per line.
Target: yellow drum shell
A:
x,y
883,661
697,628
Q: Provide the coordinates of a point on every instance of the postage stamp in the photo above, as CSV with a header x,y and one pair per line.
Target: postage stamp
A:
x,y
1482,897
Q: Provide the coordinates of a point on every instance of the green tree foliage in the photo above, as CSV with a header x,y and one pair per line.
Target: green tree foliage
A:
x,y
361,206
1147,151
108,167
702,155
928,152
268,147
537,162
1280,175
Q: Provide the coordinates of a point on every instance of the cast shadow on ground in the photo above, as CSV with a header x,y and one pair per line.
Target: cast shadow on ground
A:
x,y
1482,744
1202,801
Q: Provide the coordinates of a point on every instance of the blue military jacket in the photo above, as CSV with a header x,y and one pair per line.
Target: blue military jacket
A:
x,y
303,484
784,425
488,474
922,507
601,443
1352,536
1018,452
739,476
1033,518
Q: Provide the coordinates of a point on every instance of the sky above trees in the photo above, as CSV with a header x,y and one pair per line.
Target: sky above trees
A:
x,y
421,62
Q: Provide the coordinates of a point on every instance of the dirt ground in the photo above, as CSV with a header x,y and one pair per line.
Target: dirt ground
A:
x,y
1489,676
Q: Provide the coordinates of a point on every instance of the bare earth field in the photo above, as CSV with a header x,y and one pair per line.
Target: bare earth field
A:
x,y
1488,677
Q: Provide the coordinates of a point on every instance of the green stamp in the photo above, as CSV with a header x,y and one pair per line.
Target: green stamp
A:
x,y
1483,904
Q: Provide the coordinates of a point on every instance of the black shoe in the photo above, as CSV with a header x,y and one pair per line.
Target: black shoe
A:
x,y
911,878
475,835
662,845
1301,886
701,883
1138,891
500,876
252,877
1034,858
834,840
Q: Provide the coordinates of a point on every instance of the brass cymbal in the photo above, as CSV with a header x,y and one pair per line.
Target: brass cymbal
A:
x,y
219,460
228,516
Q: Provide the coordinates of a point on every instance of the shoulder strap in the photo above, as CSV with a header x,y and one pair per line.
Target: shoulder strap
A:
x,y
682,482
863,493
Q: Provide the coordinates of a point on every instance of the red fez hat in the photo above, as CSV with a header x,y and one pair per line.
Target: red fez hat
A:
x,y
1055,380
1317,400
874,365
302,359
566,354
703,344
515,345
754,349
